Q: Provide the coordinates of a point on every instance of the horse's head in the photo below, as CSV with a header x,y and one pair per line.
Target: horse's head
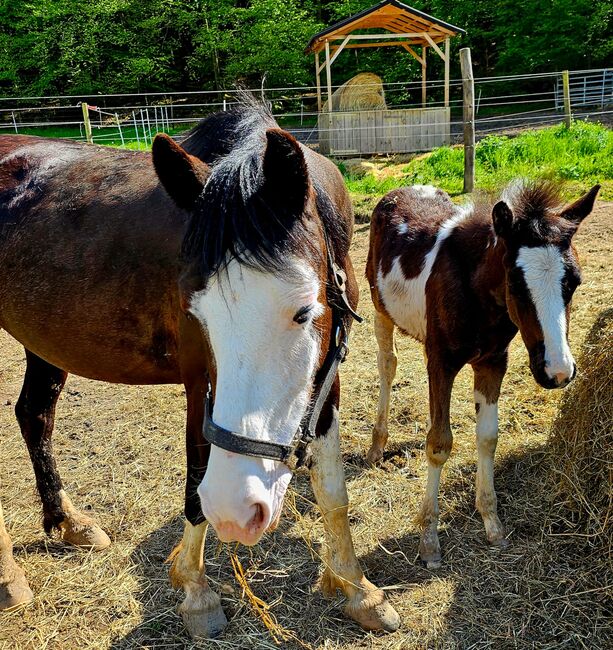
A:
x,y
542,272
255,281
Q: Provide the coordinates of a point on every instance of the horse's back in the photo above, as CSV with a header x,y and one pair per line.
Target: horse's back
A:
x,y
407,229
89,247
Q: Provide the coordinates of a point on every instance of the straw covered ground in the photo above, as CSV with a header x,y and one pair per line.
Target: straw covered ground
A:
x,y
120,450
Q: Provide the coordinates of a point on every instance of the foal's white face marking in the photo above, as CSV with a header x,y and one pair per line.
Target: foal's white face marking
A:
x,y
543,269
265,363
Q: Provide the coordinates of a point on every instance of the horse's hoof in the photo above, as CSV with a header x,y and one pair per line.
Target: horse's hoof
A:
x,y
372,610
82,531
430,549
204,624
16,593
373,456
500,542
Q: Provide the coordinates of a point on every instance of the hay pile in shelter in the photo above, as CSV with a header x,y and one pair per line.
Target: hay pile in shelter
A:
x,y
362,92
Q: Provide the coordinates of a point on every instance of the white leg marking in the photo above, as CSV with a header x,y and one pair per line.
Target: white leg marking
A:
x,y
487,439
366,604
543,270
429,547
405,299
201,609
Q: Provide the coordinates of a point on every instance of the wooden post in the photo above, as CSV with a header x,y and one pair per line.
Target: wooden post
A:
x,y
447,71
567,111
318,82
468,87
119,127
328,76
86,122
424,51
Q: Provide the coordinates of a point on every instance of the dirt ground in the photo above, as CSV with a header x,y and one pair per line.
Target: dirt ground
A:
x,y
120,452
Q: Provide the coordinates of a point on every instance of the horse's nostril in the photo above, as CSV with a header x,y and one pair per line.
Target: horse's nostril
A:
x,y
259,518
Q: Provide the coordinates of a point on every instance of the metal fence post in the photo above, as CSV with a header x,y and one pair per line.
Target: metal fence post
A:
x,y
119,127
468,88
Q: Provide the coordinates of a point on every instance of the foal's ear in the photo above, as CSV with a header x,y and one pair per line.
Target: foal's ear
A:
x,y
577,211
502,217
286,177
183,176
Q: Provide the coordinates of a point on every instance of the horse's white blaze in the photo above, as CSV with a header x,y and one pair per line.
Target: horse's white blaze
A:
x,y
405,299
265,362
543,270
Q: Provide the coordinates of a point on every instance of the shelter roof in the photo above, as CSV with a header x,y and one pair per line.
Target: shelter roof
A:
x,y
392,16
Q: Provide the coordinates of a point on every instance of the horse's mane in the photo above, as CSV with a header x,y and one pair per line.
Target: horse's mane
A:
x,y
234,218
535,205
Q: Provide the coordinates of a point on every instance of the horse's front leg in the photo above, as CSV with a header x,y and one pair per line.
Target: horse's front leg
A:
x,y
201,610
488,379
366,604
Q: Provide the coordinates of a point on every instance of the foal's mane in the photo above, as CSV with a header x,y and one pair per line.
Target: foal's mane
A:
x,y
234,218
536,205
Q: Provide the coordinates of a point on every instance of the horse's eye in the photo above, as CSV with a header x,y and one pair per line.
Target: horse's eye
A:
x,y
302,315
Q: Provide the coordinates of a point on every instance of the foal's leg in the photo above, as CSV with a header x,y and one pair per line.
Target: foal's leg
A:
x,y
386,363
14,589
488,378
366,604
35,410
438,448
201,610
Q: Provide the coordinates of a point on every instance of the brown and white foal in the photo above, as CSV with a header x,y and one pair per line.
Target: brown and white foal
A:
x,y
463,281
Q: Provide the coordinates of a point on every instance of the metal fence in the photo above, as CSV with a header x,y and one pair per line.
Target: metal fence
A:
x,y
502,104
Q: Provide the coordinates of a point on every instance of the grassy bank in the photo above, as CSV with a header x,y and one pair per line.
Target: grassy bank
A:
x,y
579,157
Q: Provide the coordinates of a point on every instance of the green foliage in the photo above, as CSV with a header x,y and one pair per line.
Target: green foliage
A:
x,y
582,153
104,46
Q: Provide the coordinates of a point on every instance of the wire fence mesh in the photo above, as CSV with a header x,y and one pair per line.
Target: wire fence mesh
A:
x,y
503,103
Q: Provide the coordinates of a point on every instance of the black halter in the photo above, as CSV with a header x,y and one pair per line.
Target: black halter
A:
x,y
295,454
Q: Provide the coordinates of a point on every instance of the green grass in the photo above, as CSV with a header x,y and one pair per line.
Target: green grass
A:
x,y
580,156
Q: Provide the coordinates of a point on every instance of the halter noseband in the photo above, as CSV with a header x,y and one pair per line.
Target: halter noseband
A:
x,y
295,453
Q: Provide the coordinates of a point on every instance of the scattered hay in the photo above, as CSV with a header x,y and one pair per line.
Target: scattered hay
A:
x,y
362,92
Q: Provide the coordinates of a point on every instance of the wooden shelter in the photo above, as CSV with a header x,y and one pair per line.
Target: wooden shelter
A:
x,y
388,24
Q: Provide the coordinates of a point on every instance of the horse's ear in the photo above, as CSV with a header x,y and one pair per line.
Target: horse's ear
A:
x,y
577,211
502,217
286,177
183,176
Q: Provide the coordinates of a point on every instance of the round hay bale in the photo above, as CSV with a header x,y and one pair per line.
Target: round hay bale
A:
x,y
582,441
362,92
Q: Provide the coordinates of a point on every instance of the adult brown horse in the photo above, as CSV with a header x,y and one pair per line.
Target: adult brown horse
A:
x,y
224,275
463,281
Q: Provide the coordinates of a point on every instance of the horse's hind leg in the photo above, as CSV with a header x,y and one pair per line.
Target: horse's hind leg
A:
x,y
35,411
386,363
14,589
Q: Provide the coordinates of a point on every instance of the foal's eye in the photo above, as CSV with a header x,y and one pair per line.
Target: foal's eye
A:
x,y
302,315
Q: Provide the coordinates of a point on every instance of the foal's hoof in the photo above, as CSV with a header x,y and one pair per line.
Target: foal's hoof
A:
x,y
205,624
374,455
500,542
16,593
82,531
372,610
430,548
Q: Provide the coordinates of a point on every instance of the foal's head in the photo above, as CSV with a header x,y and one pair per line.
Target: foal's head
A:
x,y
542,272
254,281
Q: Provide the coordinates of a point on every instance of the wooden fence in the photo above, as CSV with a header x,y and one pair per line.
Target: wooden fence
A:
x,y
383,131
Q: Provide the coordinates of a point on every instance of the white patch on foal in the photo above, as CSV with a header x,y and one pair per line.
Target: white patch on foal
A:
x,y
405,299
265,362
543,270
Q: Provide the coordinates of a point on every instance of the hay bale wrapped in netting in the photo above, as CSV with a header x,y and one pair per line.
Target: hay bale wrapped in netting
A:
x,y
362,92
582,447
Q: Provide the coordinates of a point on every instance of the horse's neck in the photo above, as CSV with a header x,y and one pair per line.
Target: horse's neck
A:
x,y
490,276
